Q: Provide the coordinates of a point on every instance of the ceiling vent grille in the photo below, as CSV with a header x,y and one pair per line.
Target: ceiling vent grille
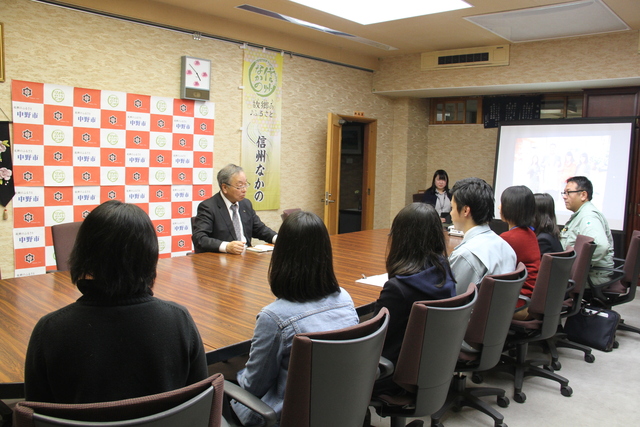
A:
x,y
487,56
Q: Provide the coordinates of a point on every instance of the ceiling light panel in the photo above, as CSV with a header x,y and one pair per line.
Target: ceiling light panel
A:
x,y
365,12
549,22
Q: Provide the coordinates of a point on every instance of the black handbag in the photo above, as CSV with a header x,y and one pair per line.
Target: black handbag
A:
x,y
594,327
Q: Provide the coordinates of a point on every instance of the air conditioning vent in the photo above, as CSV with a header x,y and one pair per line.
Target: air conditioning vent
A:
x,y
487,56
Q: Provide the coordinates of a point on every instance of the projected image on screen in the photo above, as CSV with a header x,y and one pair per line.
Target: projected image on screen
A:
x,y
542,157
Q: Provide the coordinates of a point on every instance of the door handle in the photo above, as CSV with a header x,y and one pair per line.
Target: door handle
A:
x,y
327,198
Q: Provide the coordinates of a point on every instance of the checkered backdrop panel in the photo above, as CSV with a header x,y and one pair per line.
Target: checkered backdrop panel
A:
x,y
75,148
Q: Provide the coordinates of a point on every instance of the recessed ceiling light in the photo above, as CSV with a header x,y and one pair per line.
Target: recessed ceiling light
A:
x,y
313,26
365,12
549,22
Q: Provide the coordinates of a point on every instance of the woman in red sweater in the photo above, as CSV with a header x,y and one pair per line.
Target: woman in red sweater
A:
x,y
517,209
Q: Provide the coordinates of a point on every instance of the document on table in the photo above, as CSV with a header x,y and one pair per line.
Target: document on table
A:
x,y
260,248
378,280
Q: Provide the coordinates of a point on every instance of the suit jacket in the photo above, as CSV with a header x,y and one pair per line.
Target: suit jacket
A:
x,y
213,225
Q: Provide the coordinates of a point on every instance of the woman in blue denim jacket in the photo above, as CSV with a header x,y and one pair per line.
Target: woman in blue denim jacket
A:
x,y
309,300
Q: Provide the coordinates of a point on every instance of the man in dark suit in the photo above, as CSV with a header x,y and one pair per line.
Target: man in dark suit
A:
x,y
216,230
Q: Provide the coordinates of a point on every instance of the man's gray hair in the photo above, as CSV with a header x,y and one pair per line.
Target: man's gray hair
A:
x,y
225,174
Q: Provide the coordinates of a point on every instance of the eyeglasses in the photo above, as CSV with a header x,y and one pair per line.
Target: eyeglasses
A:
x,y
566,193
240,188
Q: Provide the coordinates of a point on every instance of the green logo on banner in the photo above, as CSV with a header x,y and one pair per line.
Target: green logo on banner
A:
x,y
57,95
161,245
58,176
57,136
161,105
112,138
161,140
204,110
160,176
202,176
113,100
58,216
112,175
160,211
203,143
263,77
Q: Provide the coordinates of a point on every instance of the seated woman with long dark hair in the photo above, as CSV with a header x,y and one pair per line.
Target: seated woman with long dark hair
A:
x,y
438,195
309,300
117,341
517,208
545,224
417,267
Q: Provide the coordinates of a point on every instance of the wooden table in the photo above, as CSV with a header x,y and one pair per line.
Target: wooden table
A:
x,y
222,292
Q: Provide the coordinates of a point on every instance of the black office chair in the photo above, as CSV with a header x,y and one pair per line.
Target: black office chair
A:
x,y
485,337
622,286
287,212
427,359
584,247
196,405
545,309
331,375
64,237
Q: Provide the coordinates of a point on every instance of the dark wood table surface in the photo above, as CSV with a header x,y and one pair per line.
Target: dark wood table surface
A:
x,y
222,292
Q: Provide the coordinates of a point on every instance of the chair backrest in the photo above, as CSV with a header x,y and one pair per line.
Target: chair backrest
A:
x,y
331,375
584,247
550,289
64,237
287,212
492,314
631,267
430,349
197,405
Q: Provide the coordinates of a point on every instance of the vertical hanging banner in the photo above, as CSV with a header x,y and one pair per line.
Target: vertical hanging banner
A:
x,y
261,126
7,190
75,148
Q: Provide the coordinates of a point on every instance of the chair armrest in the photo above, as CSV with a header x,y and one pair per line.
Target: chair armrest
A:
x,y
527,302
241,395
571,285
385,368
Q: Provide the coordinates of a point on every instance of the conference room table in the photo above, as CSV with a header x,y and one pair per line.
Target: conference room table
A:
x,y
223,293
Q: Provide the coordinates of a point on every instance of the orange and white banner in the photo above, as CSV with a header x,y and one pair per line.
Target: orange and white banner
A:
x,y
75,148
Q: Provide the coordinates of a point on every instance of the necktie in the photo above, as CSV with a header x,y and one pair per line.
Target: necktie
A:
x,y
236,222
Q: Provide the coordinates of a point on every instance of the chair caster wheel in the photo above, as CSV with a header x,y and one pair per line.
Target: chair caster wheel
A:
x,y
566,390
556,365
519,397
437,425
477,378
589,358
503,401
616,344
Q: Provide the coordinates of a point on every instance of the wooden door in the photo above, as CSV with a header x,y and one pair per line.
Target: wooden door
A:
x,y
332,176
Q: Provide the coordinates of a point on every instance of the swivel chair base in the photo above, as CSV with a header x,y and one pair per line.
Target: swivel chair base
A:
x,y
460,395
521,368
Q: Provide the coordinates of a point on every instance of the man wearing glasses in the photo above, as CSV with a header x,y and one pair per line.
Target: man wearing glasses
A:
x,y
588,221
226,222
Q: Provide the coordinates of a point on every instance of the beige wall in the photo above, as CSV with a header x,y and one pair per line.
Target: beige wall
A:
x,y
54,45
606,56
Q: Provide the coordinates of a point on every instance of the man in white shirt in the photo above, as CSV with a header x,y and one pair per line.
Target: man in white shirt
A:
x,y
482,251
216,230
